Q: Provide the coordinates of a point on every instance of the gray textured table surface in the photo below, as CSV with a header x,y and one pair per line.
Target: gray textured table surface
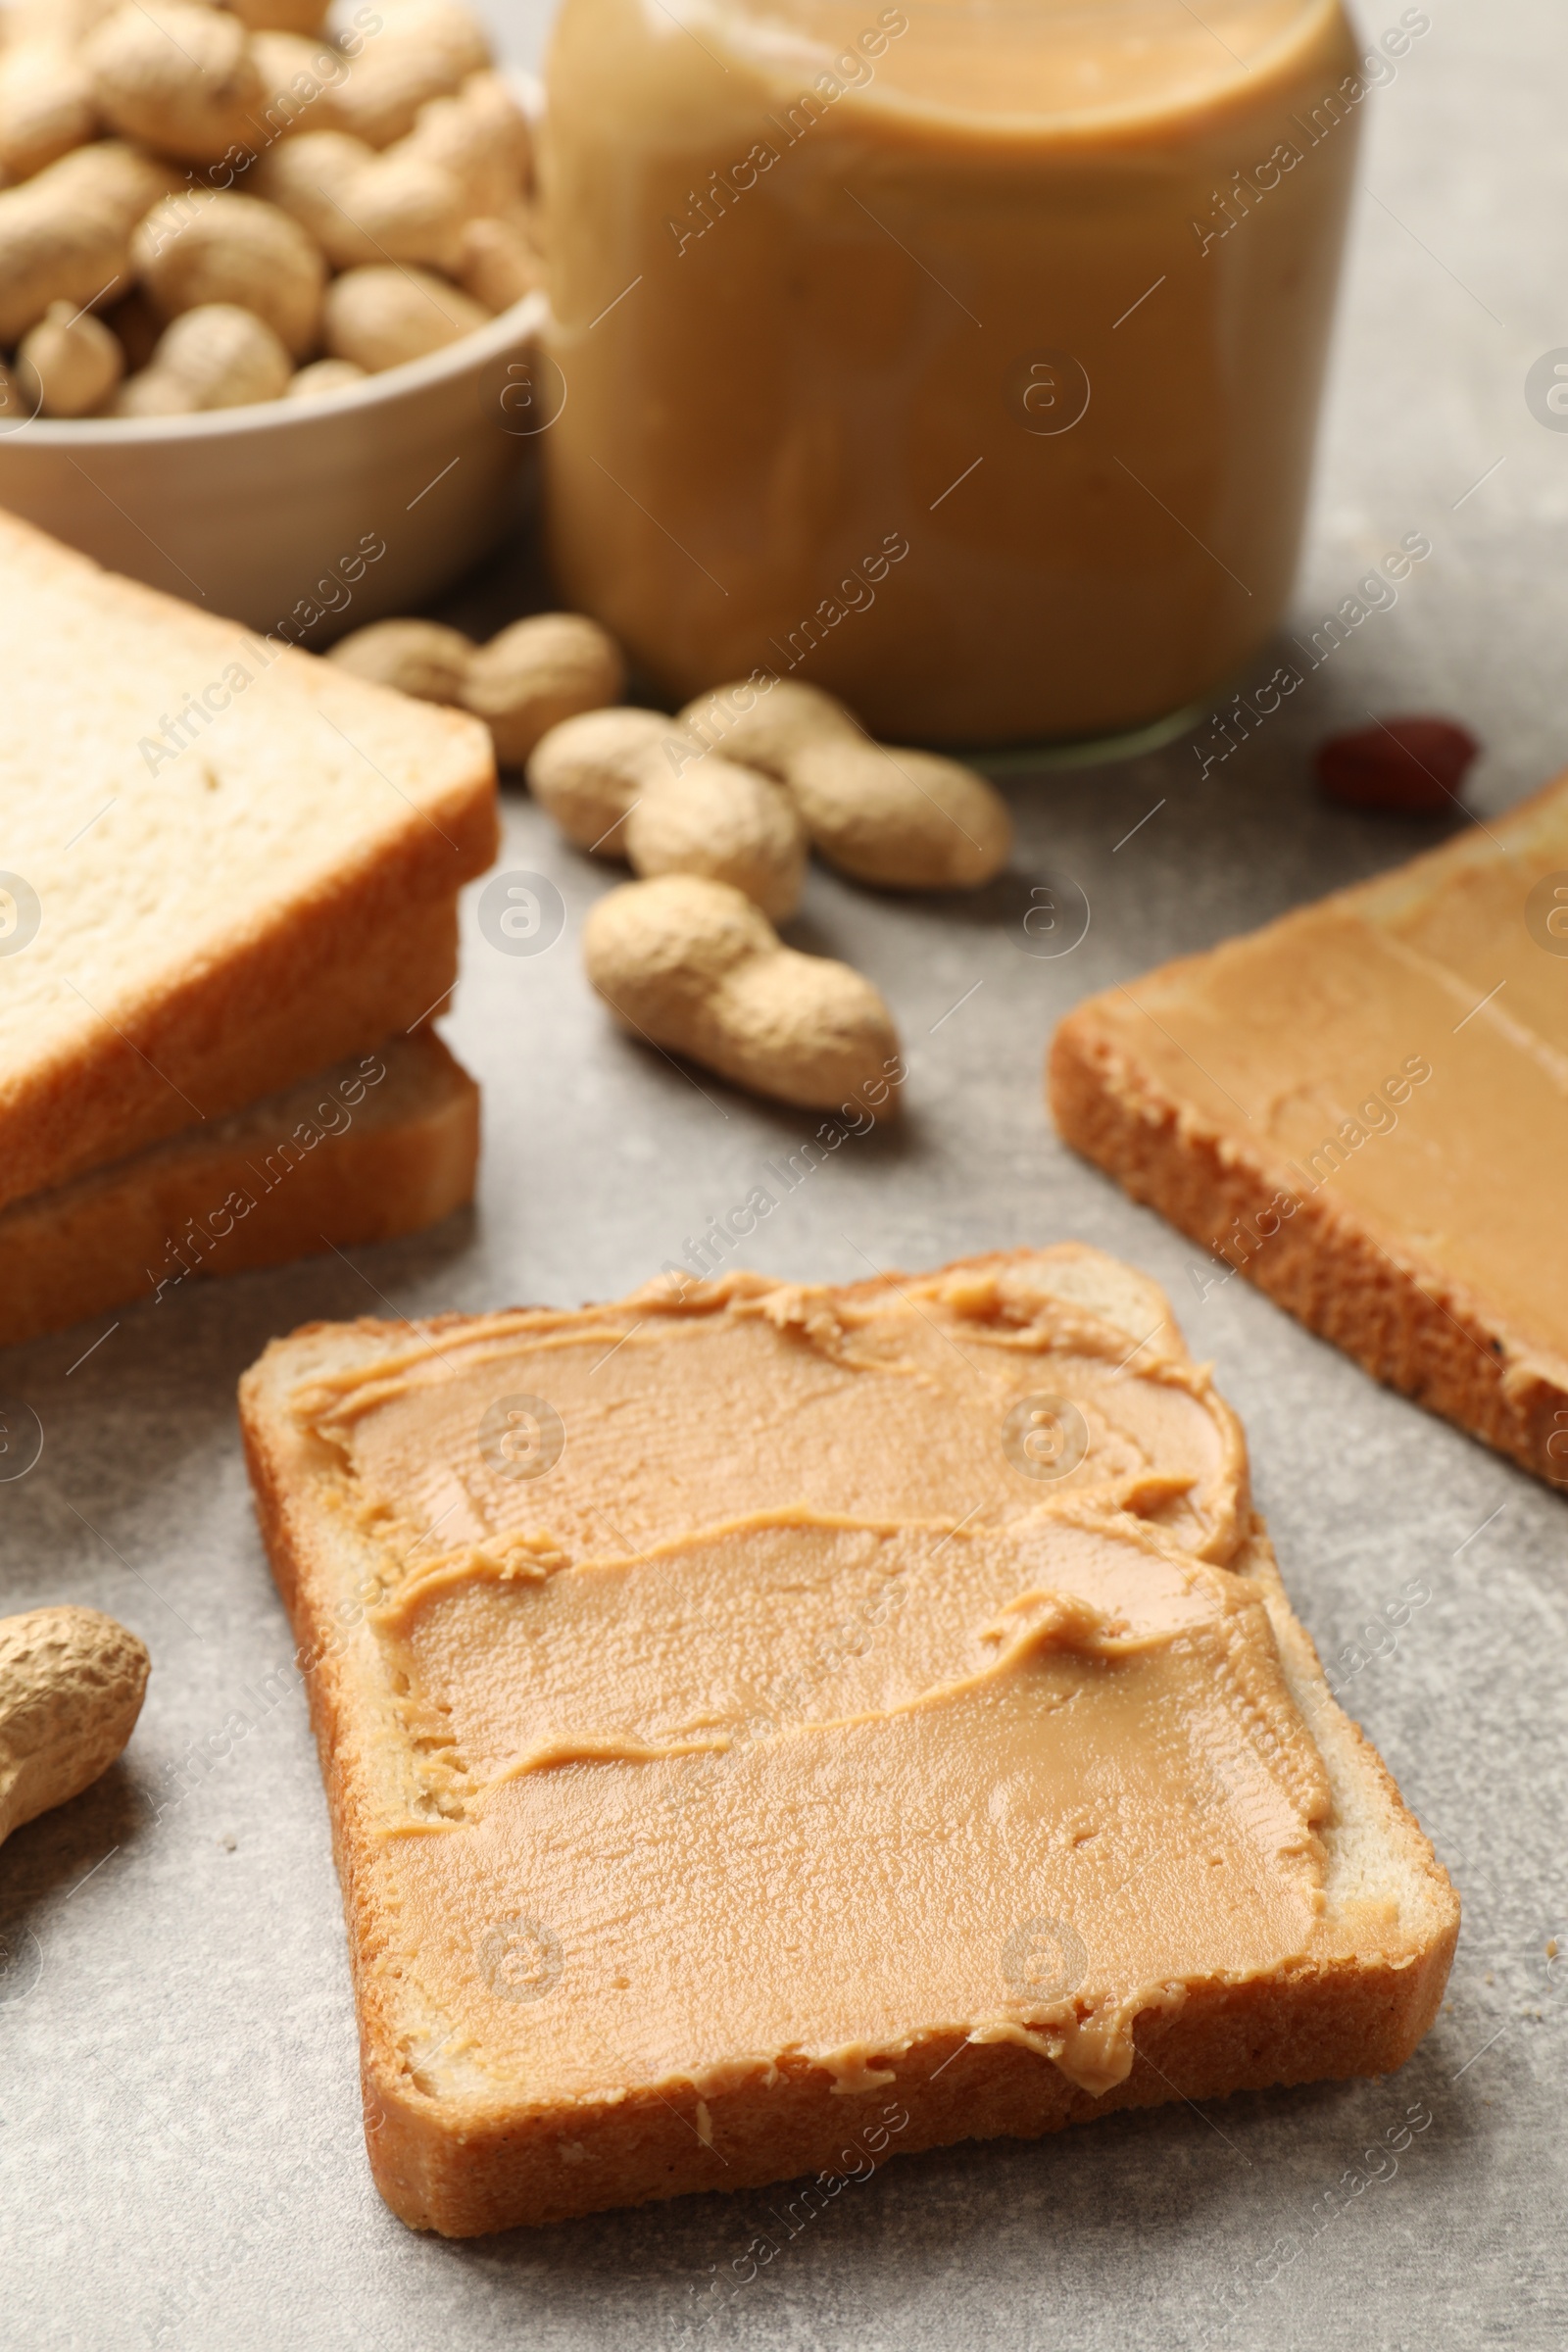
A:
x,y
180,2132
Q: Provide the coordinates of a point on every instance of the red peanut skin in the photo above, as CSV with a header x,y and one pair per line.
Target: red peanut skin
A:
x,y
1410,766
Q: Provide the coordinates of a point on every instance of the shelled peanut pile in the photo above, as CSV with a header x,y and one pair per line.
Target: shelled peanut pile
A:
x,y
203,206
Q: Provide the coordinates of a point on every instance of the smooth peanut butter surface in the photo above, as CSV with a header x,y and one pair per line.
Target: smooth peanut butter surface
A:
x,y
779,1717
890,1403
1401,1047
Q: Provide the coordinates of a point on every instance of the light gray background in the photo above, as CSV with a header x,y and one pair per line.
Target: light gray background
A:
x,y
179,2133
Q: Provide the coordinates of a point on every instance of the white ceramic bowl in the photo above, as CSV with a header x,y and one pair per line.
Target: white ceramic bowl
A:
x,y
255,511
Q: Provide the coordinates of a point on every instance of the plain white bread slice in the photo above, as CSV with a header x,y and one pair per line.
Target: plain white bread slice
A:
x,y
225,862
381,1145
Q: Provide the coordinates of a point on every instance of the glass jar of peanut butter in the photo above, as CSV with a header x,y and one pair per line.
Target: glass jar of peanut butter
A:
x,y
960,357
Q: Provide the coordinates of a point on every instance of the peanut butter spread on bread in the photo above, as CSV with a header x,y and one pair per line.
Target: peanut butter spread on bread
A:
x,y
1363,1108
1366,1077
780,1676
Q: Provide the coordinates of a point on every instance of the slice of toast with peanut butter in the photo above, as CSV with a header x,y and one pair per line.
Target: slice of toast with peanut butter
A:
x,y
761,1720
1363,1108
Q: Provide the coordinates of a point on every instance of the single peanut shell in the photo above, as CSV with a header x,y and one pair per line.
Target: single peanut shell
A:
x,y
504,129
425,49
111,172
729,822
902,820
178,76
219,247
301,77
225,356
69,363
51,254
65,236
322,378
72,1682
420,657
538,672
480,135
309,175
766,725
587,771
46,105
693,966
382,317
400,207
497,264
154,392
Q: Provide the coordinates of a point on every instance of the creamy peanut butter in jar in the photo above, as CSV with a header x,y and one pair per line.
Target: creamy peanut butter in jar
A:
x,y
963,359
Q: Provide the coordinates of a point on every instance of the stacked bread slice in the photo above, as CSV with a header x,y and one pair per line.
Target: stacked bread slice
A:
x,y
229,884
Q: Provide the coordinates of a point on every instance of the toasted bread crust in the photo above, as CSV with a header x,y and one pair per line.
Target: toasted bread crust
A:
x,y
500,2173
466,2164
1429,1340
